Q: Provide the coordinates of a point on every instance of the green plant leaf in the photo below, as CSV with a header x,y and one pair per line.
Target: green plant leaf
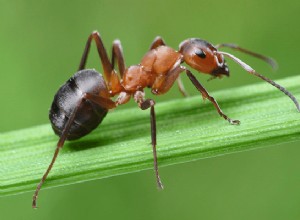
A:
x,y
187,130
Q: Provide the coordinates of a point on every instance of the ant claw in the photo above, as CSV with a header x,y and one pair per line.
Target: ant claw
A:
x,y
234,122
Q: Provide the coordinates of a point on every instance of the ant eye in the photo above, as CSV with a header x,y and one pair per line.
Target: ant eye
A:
x,y
200,53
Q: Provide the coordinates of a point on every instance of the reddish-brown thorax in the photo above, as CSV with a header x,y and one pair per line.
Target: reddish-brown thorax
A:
x,y
152,71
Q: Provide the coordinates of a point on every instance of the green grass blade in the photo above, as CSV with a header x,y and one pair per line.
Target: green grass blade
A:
x,y
188,129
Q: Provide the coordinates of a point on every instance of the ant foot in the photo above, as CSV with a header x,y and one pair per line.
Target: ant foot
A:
x,y
234,122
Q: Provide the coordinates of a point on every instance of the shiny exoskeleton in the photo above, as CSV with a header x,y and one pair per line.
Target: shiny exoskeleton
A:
x,y
89,115
82,102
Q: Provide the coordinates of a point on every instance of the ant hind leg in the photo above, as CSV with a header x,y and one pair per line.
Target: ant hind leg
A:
x,y
117,52
111,77
107,67
59,145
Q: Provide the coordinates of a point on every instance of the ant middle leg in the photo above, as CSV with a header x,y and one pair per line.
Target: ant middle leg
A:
x,y
145,104
158,41
206,95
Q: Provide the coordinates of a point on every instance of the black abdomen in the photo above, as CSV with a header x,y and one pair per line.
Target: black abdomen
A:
x,y
89,115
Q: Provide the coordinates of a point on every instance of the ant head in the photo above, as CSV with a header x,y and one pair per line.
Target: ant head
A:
x,y
203,57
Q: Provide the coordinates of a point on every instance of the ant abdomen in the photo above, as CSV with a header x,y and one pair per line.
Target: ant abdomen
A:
x,y
89,115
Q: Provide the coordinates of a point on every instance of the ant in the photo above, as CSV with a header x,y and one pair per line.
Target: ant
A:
x,y
83,101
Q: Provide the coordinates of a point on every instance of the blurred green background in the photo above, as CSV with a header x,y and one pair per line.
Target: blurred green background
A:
x,y
41,43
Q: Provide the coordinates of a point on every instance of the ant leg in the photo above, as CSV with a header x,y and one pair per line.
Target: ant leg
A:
x,y
181,87
107,67
164,82
158,41
117,51
59,145
101,101
123,98
151,103
111,77
205,95
145,104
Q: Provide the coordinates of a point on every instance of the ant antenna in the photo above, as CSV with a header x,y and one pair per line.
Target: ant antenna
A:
x,y
250,70
268,60
211,78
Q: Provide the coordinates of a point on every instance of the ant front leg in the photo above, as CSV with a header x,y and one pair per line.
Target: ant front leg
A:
x,y
205,95
145,104
164,82
158,41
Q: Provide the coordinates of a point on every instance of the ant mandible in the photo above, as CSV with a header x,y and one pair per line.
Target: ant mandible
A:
x,y
83,101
